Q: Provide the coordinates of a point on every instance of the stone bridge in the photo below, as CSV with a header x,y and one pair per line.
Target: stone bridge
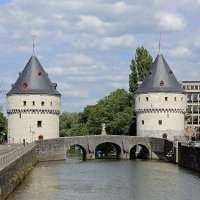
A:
x,y
55,149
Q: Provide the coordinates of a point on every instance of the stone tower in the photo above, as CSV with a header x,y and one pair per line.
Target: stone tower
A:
x,y
160,103
33,105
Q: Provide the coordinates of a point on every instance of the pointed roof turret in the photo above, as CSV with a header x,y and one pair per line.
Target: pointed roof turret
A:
x,y
33,80
160,78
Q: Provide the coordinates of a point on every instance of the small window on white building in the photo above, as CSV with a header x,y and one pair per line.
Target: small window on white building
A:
x,y
39,124
51,103
33,103
160,122
42,103
174,98
24,103
147,98
142,122
166,98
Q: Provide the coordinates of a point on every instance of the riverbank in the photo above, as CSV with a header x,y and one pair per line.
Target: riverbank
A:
x,y
15,166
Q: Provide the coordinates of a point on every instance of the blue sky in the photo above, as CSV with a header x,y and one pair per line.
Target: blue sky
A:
x,y
86,46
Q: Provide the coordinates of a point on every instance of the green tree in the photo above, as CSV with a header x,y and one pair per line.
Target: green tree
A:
x,y
70,125
139,67
115,110
3,127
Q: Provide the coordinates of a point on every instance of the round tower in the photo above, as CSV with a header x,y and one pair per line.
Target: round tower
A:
x,y
33,105
160,103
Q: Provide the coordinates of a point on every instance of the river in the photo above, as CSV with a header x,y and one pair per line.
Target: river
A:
x,y
109,180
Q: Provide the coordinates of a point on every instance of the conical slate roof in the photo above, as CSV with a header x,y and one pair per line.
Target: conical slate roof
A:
x,y
160,78
33,80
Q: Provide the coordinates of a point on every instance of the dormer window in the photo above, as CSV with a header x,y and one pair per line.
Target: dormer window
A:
x,y
42,103
39,73
24,85
162,83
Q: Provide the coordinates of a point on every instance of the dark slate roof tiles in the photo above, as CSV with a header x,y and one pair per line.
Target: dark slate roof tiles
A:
x,y
33,80
160,78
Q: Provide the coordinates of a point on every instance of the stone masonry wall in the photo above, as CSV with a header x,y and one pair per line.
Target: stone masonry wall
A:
x,y
12,175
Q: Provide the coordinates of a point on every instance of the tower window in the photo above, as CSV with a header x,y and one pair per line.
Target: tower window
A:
x,y
160,122
39,124
142,122
33,103
147,98
20,115
24,103
161,83
174,98
42,103
166,98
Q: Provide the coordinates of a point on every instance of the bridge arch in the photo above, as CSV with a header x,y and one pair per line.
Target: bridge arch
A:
x,y
82,148
139,151
108,150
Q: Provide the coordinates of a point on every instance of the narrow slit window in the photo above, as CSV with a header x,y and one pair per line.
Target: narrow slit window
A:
x,y
39,124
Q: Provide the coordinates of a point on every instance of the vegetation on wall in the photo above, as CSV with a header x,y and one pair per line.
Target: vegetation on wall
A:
x,y
3,128
115,110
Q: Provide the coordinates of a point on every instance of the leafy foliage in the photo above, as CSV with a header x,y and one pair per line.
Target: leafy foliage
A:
x,y
139,67
115,110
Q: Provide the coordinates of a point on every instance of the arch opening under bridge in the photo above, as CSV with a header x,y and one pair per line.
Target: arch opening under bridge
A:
x,y
139,151
76,151
108,150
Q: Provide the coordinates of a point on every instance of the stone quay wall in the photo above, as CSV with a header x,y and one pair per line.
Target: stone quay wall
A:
x,y
189,157
14,167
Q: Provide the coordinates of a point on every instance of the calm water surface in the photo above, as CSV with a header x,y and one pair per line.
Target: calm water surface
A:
x,y
109,180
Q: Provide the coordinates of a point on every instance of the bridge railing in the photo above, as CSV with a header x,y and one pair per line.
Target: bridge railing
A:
x,y
13,155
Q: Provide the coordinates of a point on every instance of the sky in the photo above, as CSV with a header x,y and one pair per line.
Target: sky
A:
x,y
86,45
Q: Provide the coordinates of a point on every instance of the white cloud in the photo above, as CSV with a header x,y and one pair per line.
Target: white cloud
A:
x,y
170,21
120,7
120,41
92,24
180,52
86,45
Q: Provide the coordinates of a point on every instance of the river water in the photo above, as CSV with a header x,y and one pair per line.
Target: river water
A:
x,y
109,180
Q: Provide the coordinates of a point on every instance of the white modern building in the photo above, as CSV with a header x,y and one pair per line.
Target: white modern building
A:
x,y
160,103
192,117
33,105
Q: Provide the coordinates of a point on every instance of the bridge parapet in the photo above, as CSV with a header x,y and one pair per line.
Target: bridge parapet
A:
x,y
55,149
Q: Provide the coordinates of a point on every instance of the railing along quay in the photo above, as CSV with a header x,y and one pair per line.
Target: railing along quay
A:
x,y
13,155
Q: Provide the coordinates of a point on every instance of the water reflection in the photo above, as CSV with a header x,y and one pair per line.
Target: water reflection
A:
x,y
111,180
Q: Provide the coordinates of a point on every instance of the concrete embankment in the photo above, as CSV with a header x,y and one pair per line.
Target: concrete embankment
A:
x,y
189,157
14,167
